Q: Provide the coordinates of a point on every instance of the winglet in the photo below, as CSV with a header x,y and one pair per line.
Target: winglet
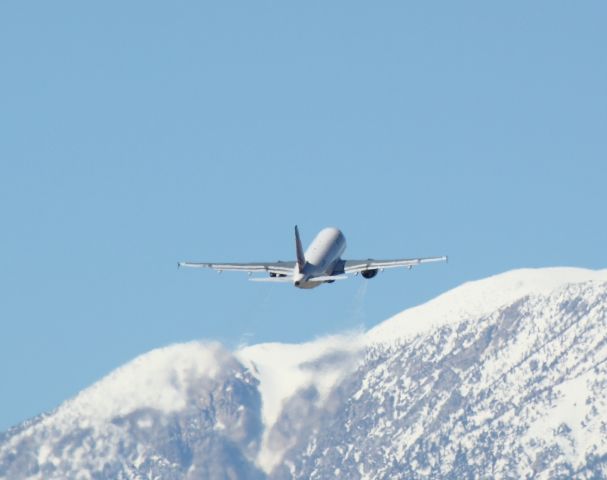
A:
x,y
301,259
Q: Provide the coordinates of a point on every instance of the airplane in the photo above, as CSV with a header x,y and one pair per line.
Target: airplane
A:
x,y
321,263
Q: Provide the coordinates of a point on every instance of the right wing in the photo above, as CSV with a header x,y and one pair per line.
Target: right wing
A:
x,y
355,266
278,268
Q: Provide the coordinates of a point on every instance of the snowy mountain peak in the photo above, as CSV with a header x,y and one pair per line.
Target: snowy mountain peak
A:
x,y
502,377
478,298
159,380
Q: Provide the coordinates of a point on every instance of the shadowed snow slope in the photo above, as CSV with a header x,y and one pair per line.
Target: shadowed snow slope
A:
x,y
502,377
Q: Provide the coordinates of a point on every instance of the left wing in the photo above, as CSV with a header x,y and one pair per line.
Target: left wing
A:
x,y
279,268
355,266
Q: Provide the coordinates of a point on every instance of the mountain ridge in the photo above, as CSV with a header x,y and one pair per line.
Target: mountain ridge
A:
x,y
266,410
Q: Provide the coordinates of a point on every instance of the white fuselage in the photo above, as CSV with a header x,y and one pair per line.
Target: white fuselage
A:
x,y
322,256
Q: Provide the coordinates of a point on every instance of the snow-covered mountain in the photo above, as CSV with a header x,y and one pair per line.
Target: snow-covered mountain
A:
x,y
500,378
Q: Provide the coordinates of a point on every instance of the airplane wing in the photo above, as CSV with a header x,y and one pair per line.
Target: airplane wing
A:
x,y
355,266
279,268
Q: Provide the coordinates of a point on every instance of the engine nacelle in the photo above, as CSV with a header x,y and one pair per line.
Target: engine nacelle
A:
x,y
369,273
272,274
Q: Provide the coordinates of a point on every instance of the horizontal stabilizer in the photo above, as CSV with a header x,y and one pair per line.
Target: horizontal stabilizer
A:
x,y
288,279
328,278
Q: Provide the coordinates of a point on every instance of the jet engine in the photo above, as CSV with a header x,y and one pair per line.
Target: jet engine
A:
x,y
369,273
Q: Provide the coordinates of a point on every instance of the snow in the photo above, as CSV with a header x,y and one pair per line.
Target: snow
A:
x,y
43,454
158,379
163,378
479,298
570,409
284,369
281,369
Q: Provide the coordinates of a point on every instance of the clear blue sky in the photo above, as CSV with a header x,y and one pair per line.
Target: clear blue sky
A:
x,y
137,134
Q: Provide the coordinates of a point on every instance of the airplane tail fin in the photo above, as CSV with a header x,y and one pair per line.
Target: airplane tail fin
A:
x,y
301,259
